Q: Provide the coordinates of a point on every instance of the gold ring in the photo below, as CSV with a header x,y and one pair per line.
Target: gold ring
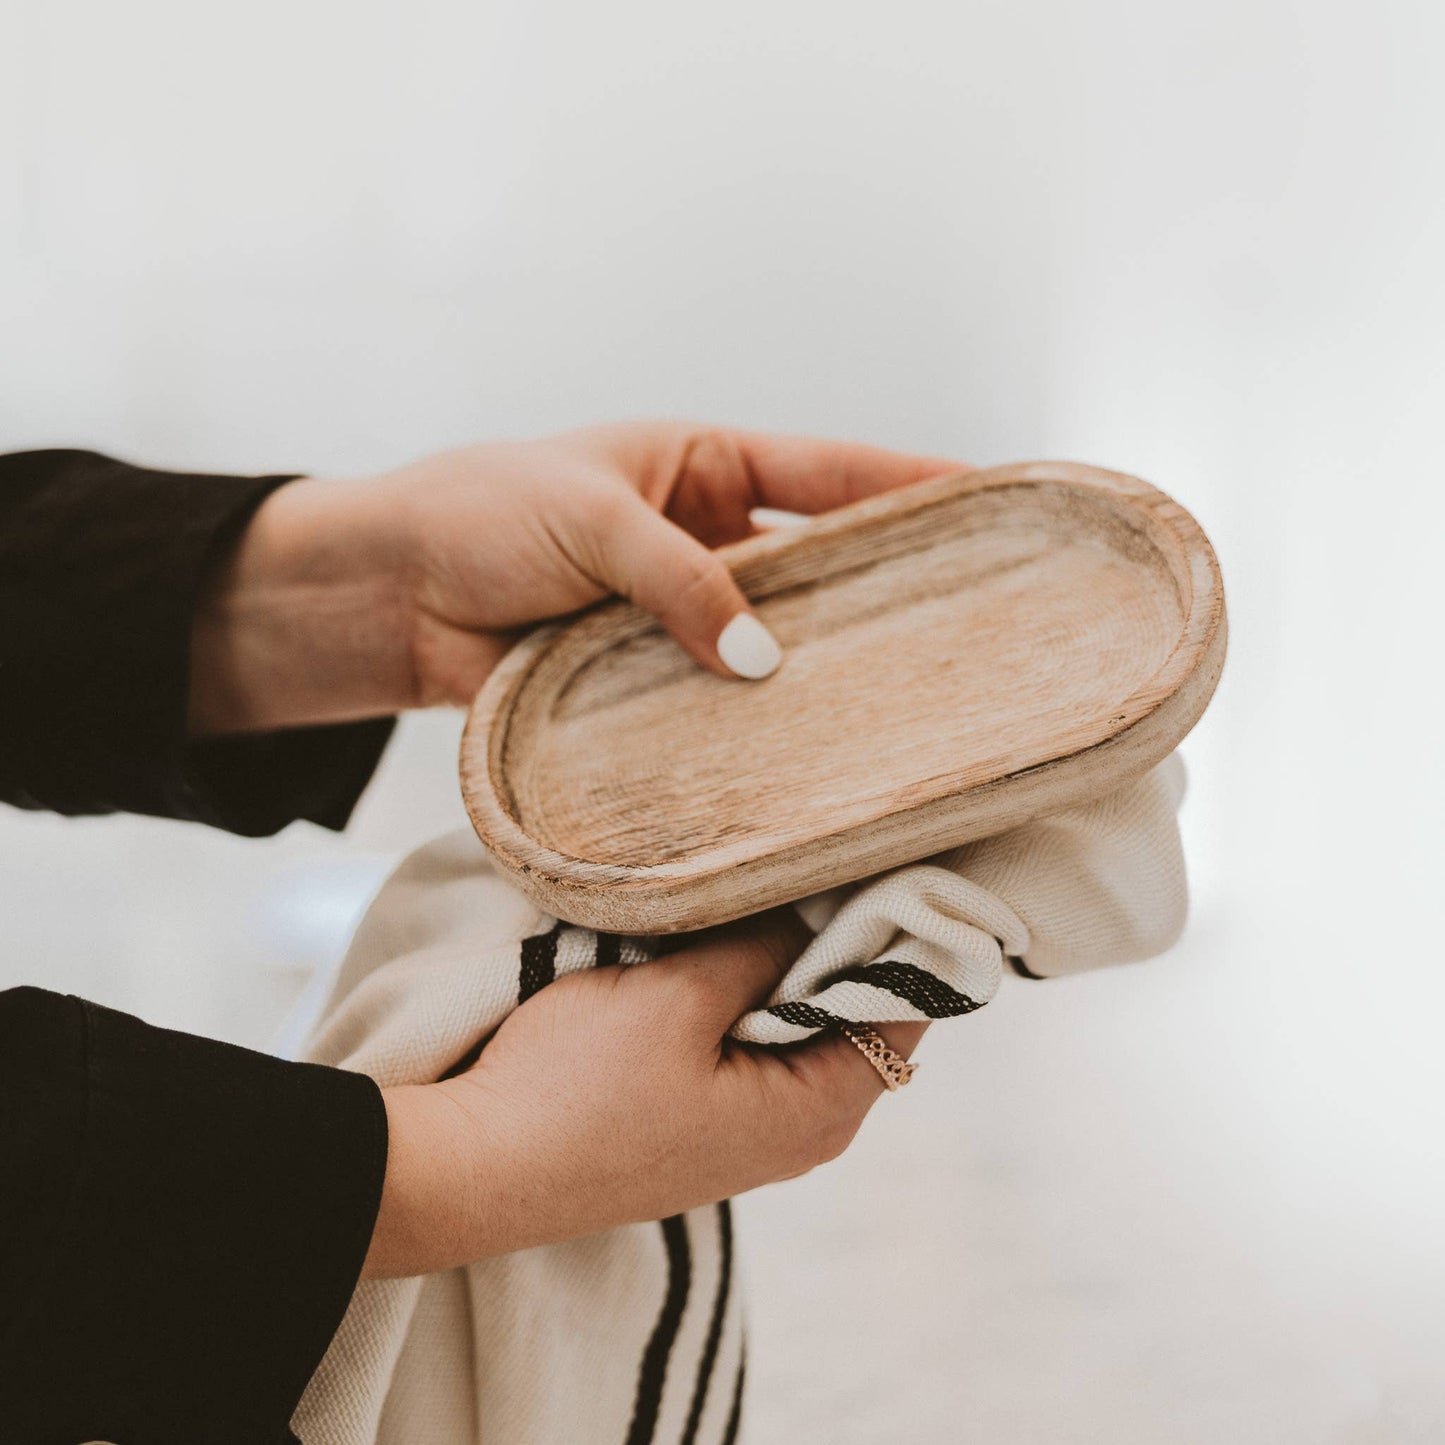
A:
x,y
893,1068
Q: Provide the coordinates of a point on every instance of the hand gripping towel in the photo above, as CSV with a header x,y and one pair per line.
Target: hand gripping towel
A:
x,y
634,1336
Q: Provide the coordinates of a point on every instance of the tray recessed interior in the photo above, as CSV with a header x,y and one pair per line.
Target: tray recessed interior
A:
x,y
954,646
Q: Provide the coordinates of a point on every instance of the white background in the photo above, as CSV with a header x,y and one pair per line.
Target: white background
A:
x,y
1197,1201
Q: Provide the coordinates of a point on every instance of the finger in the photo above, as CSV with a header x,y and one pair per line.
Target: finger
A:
x,y
834,1067
689,590
903,1037
724,474
809,1100
727,971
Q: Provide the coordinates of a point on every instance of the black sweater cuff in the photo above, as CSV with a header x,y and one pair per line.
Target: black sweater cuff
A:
x,y
182,1223
101,564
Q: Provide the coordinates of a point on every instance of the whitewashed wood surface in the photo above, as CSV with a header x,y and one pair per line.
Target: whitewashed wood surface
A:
x,y
959,656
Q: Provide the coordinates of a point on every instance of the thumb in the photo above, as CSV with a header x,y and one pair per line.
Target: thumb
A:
x,y
690,591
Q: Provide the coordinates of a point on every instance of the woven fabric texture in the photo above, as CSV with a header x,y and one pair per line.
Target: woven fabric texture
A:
x,y
635,1336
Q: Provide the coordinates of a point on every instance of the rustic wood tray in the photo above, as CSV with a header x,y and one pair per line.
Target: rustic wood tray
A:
x,y
960,656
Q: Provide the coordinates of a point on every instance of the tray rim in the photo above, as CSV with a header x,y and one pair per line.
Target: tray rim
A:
x,y
658,898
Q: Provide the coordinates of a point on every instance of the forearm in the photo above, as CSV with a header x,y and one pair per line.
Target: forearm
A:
x,y
101,568
181,1226
307,620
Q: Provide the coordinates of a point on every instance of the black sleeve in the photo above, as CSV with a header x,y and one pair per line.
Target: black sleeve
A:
x,y
100,567
181,1221
181,1226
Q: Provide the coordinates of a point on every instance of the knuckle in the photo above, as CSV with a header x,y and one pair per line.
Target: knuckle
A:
x,y
716,452
774,947
679,998
607,516
748,955
667,990
604,505
777,938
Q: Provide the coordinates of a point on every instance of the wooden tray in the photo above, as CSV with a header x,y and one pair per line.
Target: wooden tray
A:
x,y
960,656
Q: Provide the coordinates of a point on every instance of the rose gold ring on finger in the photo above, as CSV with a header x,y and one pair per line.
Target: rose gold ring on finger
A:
x,y
893,1068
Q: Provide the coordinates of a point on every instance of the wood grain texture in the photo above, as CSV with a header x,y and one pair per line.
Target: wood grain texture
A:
x,y
960,656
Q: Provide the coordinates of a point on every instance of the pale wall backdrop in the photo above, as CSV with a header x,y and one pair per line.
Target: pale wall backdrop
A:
x,y
1195,1202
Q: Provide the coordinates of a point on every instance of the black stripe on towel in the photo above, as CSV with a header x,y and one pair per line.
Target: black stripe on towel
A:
x,y
804,1015
731,1433
715,1328
653,1374
539,962
609,950
925,991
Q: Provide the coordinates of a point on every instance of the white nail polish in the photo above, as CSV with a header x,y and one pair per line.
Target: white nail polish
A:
x,y
748,648
772,519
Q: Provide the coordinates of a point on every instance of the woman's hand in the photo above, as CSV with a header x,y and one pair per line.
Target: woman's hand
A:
x,y
615,1096
349,599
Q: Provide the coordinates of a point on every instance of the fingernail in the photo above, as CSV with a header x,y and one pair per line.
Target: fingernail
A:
x,y
748,648
774,518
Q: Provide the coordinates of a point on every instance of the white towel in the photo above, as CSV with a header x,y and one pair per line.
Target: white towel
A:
x,y
634,1336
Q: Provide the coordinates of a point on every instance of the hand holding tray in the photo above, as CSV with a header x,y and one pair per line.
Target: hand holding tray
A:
x,y
960,655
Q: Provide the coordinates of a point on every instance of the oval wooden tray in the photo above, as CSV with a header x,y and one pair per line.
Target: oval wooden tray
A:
x,y
960,656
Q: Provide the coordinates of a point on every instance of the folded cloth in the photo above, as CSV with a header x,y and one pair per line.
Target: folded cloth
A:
x,y
635,1335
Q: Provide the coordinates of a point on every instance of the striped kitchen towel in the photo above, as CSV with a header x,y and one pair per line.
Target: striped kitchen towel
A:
x,y
634,1336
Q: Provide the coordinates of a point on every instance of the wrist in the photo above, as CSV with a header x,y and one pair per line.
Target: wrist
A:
x,y
419,1223
456,1189
306,620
